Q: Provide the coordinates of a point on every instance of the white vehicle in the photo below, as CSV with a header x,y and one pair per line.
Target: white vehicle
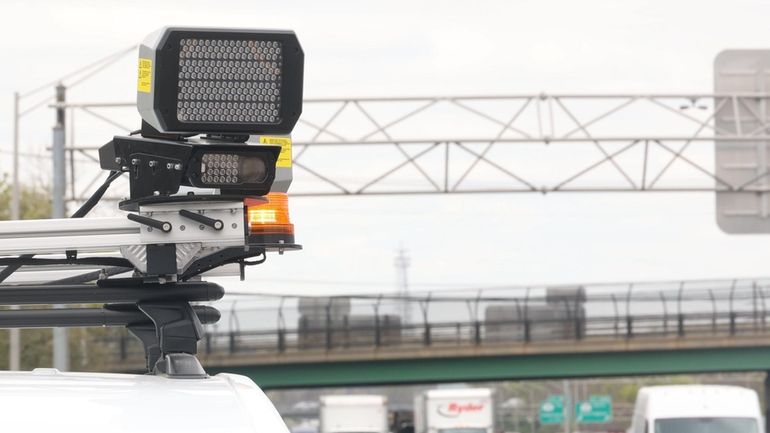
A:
x,y
45,400
307,426
696,409
354,414
454,411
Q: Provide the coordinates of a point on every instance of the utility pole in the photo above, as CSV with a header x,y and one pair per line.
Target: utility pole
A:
x,y
14,335
14,343
402,263
767,400
15,188
60,346
568,415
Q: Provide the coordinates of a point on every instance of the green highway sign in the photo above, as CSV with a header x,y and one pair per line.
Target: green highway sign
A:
x,y
552,410
597,409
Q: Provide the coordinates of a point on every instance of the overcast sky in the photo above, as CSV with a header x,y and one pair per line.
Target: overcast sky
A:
x,y
360,48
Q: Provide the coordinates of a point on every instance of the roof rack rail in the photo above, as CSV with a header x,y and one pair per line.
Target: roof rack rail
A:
x,y
160,315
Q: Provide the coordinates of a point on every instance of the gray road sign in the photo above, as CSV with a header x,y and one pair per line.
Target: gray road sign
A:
x,y
743,162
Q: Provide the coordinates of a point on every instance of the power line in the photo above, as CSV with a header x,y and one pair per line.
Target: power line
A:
x,y
469,287
99,65
727,290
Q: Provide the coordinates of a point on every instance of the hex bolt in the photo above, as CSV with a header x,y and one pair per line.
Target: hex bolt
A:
x,y
153,163
169,166
182,228
235,225
135,161
118,160
178,167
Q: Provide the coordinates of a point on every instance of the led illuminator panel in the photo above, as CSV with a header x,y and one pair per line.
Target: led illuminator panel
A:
x,y
229,81
220,81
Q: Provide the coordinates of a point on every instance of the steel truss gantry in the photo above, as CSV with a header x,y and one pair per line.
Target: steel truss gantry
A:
x,y
538,143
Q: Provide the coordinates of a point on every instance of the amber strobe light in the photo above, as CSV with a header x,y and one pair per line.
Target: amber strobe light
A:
x,y
269,222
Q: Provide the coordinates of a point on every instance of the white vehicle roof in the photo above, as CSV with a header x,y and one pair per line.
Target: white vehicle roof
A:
x,y
459,393
690,401
353,400
46,400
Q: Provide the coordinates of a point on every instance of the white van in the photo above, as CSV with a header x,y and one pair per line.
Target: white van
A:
x,y
354,414
696,409
46,400
463,410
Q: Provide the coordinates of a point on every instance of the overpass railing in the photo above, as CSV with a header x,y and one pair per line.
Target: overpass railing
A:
x,y
498,322
478,333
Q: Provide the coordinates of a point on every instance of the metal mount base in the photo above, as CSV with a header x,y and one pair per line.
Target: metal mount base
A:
x,y
175,331
179,366
133,205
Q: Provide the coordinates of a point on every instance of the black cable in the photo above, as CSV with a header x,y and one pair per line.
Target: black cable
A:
x,y
96,196
255,262
10,269
81,212
199,270
91,276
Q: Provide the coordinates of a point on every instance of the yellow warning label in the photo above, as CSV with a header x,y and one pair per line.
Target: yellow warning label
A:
x,y
144,82
284,158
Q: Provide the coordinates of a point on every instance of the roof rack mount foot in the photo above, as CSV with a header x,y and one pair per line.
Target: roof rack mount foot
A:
x,y
180,366
171,340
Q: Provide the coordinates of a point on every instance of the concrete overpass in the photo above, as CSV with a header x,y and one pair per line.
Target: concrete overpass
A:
x,y
565,359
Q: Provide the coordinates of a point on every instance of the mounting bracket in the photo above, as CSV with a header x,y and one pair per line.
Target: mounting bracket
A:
x,y
171,340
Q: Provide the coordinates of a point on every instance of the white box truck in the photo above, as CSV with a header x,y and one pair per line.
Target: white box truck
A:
x,y
696,409
354,414
468,410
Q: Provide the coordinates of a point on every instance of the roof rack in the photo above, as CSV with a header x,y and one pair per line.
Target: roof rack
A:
x,y
165,262
191,175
